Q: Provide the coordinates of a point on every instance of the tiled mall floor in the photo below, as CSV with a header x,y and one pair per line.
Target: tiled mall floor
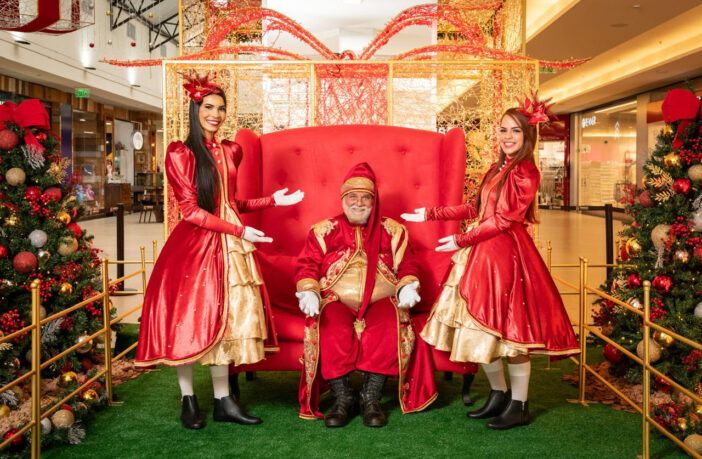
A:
x,y
572,235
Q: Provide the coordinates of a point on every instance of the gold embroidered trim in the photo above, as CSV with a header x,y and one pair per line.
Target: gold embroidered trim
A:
x,y
398,231
321,229
357,184
308,284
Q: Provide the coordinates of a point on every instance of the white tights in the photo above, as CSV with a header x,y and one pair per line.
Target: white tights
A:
x,y
220,380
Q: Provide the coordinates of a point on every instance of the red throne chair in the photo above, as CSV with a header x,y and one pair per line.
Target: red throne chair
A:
x,y
415,168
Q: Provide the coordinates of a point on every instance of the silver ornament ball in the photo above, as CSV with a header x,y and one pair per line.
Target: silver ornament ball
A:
x,y
698,311
38,238
46,426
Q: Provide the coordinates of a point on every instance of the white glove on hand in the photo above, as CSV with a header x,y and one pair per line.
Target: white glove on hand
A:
x,y
254,235
282,200
309,302
448,244
408,295
419,215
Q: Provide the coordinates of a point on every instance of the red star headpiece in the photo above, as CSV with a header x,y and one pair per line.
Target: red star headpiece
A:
x,y
538,111
198,87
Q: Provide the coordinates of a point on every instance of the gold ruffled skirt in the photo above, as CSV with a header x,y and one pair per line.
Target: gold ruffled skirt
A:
x,y
245,330
450,327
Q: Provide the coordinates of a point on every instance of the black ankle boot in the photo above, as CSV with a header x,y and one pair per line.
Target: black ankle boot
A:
x,y
371,394
234,386
344,402
226,410
516,414
467,382
496,403
190,413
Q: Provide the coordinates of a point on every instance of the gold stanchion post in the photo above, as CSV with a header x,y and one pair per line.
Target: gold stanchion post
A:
x,y
143,270
155,248
646,373
36,369
582,361
107,331
549,260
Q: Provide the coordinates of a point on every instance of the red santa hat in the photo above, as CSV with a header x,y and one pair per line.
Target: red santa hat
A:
x,y
360,178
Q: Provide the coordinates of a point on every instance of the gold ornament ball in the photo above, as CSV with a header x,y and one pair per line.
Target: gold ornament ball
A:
x,y
15,176
695,172
87,344
63,419
683,256
65,289
633,247
68,246
12,220
654,351
698,409
682,423
42,313
44,255
63,217
694,442
663,339
4,411
672,159
67,378
90,395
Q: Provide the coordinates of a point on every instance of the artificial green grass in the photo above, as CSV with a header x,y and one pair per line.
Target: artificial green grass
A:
x,y
148,425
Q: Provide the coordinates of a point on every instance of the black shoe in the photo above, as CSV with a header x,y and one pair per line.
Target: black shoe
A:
x,y
496,403
226,410
344,406
371,393
234,386
516,414
190,413
467,382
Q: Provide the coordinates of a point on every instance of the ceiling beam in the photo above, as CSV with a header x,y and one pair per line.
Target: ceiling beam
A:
x,y
166,28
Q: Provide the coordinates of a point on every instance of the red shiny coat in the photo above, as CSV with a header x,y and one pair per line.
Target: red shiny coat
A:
x,y
506,285
183,303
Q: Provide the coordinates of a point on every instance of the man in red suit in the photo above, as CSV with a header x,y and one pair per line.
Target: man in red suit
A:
x,y
356,280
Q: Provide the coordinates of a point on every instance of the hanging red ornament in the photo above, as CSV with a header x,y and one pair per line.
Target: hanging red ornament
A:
x,y
24,262
634,281
18,442
41,137
91,44
53,193
8,139
662,385
133,44
623,254
612,354
32,193
682,186
662,284
645,199
697,252
4,252
77,230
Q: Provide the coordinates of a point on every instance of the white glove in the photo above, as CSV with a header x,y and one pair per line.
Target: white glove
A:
x,y
282,200
309,303
408,295
254,235
448,244
419,215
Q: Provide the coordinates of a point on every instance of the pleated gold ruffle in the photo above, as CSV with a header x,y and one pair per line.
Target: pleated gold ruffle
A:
x,y
245,330
450,328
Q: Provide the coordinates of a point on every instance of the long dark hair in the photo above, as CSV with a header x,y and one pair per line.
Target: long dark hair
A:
x,y
526,153
205,168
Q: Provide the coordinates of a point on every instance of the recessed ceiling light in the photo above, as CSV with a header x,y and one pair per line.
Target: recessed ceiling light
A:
x,y
636,5
136,86
619,25
21,41
108,123
87,67
82,119
88,132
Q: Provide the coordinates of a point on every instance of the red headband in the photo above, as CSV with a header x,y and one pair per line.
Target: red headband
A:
x,y
538,111
199,87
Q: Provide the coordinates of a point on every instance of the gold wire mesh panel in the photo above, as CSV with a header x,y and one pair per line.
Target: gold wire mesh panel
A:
x,y
73,14
432,95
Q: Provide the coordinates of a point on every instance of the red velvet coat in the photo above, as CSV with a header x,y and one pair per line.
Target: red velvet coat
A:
x,y
183,305
506,285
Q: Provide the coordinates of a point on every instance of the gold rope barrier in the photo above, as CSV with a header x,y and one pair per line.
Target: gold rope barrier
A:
x,y
648,370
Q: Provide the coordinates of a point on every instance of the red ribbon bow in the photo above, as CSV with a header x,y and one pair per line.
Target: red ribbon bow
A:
x,y
684,106
28,114
538,111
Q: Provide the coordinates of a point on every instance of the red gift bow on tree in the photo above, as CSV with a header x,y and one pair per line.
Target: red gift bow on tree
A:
x,y
684,106
30,113
538,111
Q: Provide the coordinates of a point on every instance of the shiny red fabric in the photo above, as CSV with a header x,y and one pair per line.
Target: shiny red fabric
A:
x,y
183,305
341,352
506,285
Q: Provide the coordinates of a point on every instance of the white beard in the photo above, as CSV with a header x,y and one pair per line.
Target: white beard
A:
x,y
357,215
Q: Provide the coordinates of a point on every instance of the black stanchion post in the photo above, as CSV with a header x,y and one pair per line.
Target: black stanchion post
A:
x,y
120,239
609,236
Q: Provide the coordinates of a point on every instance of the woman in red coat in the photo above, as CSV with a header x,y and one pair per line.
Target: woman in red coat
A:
x,y
206,301
499,299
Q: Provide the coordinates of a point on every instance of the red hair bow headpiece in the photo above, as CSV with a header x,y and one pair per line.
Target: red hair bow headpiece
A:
x,y
199,87
538,111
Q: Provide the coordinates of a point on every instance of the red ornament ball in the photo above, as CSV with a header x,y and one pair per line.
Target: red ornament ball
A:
x,y
645,199
697,252
91,44
32,193
634,281
682,185
87,364
662,384
662,284
133,44
8,139
24,262
623,254
77,230
612,354
18,442
4,252
67,407
41,137
53,193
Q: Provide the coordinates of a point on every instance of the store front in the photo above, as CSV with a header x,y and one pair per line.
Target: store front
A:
x,y
554,163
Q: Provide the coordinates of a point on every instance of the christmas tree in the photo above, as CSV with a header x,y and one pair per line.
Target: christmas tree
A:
x,y
40,239
664,246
